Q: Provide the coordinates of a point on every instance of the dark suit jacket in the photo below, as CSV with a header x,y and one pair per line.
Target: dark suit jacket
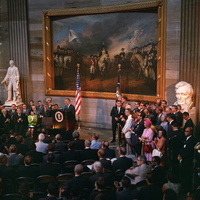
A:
x,y
23,117
6,172
70,155
14,160
107,177
114,113
40,108
3,119
60,146
139,128
79,144
26,112
187,151
49,169
57,157
106,163
127,194
36,156
122,163
28,171
22,148
88,154
69,112
45,113
159,175
179,118
12,140
110,153
79,182
188,123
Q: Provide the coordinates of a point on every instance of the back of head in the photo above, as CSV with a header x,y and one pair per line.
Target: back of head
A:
x,y
24,189
28,160
105,144
101,153
170,194
58,137
78,169
71,145
142,158
76,134
100,183
28,134
52,189
95,136
87,143
97,166
51,147
157,159
19,139
3,159
126,183
122,151
32,146
13,148
50,158
41,137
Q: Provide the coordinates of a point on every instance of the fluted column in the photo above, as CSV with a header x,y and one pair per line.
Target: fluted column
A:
x,y
18,42
190,48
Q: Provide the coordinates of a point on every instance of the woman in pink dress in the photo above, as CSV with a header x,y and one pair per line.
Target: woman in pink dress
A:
x,y
147,138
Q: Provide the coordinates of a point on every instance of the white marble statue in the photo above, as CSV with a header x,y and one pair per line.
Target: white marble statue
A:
x,y
184,94
11,83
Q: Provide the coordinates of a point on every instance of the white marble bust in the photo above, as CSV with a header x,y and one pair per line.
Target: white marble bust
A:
x,y
184,94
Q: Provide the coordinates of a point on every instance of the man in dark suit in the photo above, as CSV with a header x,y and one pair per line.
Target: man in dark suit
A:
x,y
127,192
78,181
71,154
5,121
78,143
117,114
175,142
51,150
105,163
88,153
48,168
138,129
52,191
45,112
36,156
25,110
40,106
12,111
27,170
122,162
60,145
185,158
159,112
178,115
14,159
188,120
98,169
110,153
20,122
6,172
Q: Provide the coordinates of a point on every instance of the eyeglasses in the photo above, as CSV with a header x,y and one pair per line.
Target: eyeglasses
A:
x,y
138,160
187,131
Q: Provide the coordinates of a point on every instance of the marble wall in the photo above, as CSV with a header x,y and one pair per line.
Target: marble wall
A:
x,y
95,112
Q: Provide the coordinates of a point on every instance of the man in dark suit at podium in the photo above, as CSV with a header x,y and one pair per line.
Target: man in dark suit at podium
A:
x,y
69,115
117,114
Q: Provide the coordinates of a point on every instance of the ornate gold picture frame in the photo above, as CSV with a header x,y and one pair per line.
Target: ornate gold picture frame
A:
x,y
140,52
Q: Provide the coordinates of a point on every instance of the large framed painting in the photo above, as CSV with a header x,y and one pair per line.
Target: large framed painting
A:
x,y
129,38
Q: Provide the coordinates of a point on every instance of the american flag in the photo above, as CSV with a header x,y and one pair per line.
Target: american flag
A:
x,y
78,100
118,89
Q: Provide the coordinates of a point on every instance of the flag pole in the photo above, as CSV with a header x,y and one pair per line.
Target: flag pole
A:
x,y
78,97
118,89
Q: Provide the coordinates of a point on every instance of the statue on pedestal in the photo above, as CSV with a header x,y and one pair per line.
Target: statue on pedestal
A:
x,y
184,93
11,83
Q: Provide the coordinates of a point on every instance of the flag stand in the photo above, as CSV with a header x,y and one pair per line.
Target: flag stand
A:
x,y
79,123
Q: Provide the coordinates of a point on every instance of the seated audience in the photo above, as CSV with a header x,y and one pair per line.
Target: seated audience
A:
x,y
29,139
127,193
88,153
40,145
71,154
78,143
169,194
110,153
6,171
24,192
122,162
14,159
22,148
105,163
12,139
151,191
51,150
98,170
36,156
138,174
27,170
48,168
52,191
60,145
95,144
78,181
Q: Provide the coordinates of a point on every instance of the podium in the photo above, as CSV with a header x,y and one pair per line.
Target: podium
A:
x,y
59,120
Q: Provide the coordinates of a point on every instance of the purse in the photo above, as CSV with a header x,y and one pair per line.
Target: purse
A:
x,y
157,152
148,148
